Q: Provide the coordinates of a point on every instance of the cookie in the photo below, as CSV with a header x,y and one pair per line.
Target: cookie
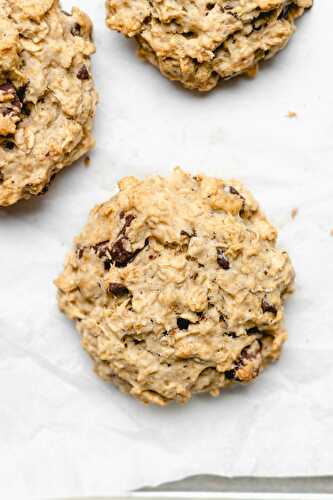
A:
x,y
47,94
197,42
177,287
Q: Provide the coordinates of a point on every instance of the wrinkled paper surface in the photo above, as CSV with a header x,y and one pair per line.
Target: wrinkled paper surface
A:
x,y
63,431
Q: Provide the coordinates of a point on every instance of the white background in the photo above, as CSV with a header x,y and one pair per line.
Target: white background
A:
x,y
64,432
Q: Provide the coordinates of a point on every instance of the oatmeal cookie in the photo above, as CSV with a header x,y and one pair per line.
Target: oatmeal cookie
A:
x,y
47,95
177,287
197,42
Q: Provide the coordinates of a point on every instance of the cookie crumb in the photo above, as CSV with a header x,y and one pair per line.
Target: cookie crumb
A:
x,y
292,114
86,161
294,213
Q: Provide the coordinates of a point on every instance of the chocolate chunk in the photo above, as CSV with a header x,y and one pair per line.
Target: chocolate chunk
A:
x,y
83,73
76,29
221,259
267,307
183,323
119,255
117,289
2,178
128,221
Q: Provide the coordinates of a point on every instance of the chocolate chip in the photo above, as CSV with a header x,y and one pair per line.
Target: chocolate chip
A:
x,y
83,73
231,334
21,91
221,259
2,178
122,214
79,252
230,374
26,110
107,264
183,323
9,145
189,34
267,307
46,188
248,354
76,29
117,289
186,233
252,331
137,341
222,318
233,190
285,11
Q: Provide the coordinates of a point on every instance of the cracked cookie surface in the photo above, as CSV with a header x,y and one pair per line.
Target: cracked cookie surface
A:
x,y
177,287
197,42
47,95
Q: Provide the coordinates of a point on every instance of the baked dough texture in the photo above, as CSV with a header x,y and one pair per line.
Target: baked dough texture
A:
x,y
197,42
47,95
177,287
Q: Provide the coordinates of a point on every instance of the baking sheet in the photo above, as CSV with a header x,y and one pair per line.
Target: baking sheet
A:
x,y
62,431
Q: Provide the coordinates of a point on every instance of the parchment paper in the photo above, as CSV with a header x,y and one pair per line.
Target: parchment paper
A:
x,y
62,431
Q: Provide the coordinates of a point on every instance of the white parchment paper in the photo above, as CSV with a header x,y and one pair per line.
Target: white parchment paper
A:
x,y
64,432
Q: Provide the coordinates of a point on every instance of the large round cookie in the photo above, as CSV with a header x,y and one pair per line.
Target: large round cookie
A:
x,y
177,287
47,94
197,42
